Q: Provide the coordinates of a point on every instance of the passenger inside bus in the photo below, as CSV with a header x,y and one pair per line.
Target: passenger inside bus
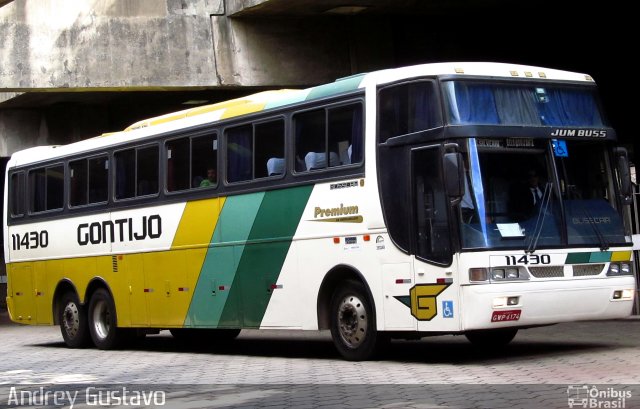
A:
x,y
211,179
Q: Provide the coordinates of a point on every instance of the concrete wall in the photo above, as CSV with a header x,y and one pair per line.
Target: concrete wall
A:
x,y
158,44
106,43
51,47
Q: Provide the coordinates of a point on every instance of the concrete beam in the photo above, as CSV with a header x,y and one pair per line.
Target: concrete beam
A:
x,y
57,44
272,52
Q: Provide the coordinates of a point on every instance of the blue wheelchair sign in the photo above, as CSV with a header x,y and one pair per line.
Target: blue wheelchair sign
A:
x,y
447,309
560,148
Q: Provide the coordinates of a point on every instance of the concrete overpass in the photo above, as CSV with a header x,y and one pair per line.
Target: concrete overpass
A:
x,y
71,70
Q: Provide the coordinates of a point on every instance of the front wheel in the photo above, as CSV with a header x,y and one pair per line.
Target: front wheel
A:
x,y
491,338
73,321
353,325
103,321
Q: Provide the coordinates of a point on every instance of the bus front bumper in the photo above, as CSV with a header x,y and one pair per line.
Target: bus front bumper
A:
x,y
524,304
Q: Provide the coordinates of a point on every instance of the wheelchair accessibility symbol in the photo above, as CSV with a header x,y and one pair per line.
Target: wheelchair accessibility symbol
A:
x,y
447,309
560,148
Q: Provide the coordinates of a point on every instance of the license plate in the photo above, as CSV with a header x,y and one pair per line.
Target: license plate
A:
x,y
509,315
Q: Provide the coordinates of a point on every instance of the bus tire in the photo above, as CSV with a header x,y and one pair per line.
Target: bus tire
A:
x,y
103,321
73,321
491,338
353,325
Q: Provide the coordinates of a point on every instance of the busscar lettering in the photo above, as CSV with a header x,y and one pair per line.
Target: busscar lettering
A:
x,y
120,230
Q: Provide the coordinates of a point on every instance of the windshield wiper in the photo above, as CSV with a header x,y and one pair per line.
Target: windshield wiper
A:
x,y
542,213
604,245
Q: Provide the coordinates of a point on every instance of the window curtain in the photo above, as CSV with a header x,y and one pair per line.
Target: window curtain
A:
x,y
239,154
570,108
475,104
356,135
516,106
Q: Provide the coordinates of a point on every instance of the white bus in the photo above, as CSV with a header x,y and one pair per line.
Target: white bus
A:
x,y
457,198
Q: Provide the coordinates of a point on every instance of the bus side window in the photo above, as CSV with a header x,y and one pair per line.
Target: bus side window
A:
x,y
46,188
329,137
345,133
240,153
310,140
204,156
269,142
407,108
78,182
16,197
177,164
136,172
98,179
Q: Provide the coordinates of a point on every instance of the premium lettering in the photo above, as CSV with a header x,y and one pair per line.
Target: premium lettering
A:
x,y
335,211
120,230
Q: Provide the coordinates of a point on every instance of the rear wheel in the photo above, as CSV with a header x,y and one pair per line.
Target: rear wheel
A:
x,y
103,321
73,321
353,325
491,338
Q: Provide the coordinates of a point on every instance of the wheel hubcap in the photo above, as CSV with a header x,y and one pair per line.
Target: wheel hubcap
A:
x,y
71,319
352,321
101,319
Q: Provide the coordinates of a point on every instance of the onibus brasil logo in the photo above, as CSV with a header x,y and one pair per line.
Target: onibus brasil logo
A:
x,y
584,396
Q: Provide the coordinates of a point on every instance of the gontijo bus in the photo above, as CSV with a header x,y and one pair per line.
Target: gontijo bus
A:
x,y
463,198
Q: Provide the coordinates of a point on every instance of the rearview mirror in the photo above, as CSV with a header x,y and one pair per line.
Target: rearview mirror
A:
x,y
624,175
453,176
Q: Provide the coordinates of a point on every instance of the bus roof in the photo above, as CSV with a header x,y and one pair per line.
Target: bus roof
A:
x,y
273,99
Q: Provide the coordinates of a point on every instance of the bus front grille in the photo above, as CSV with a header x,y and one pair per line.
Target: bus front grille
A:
x,y
547,271
580,270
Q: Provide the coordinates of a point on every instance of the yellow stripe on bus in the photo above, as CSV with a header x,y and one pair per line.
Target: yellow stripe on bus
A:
x,y
198,222
621,256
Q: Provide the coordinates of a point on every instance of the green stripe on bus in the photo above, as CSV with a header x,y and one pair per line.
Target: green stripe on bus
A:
x,y
221,262
264,255
577,258
600,257
339,87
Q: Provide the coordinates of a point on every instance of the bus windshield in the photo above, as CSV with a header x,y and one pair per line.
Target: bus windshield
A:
x,y
513,199
483,103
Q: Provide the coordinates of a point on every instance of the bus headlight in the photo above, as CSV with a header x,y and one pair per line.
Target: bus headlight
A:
x,y
620,269
512,273
508,274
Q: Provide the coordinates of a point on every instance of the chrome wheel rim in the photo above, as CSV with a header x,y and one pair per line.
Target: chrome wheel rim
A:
x,y
101,319
352,321
71,319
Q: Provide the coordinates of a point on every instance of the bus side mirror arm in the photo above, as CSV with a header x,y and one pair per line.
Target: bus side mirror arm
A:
x,y
624,175
453,176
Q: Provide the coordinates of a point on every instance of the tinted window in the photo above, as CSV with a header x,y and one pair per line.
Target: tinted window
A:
x,y
46,188
333,133
88,181
192,162
136,172
16,196
407,108
255,151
